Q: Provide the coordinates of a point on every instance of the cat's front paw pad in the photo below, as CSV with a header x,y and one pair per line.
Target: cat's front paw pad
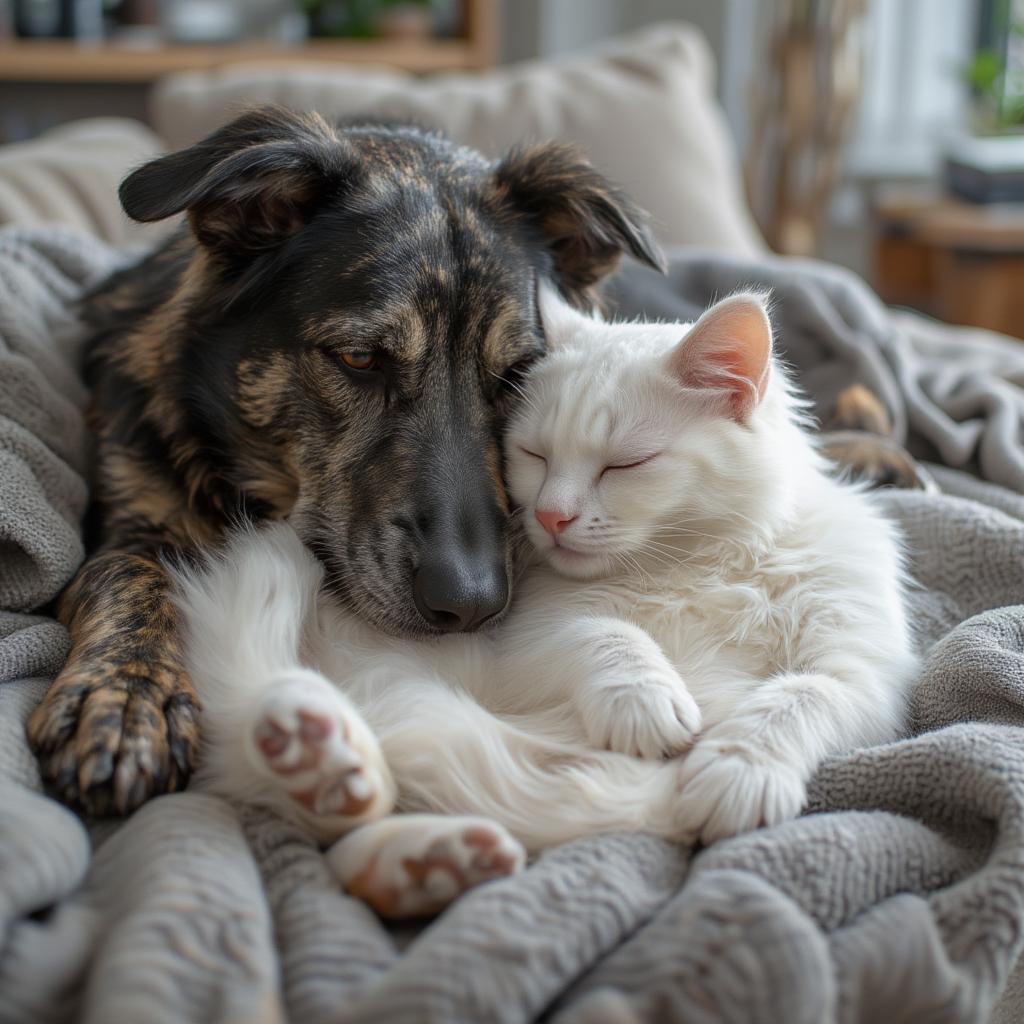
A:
x,y
728,788
653,717
306,738
416,873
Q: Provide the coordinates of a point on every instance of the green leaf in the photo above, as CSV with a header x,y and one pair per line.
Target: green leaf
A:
x,y
985,72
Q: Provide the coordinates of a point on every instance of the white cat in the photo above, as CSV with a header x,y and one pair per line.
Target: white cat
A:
x,y
709,615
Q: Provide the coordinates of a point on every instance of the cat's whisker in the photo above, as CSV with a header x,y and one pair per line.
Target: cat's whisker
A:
x,y
688,531
661,558
651,542
690,537
665,562
531,400
745,519
648,546
637,554
631,565
685,526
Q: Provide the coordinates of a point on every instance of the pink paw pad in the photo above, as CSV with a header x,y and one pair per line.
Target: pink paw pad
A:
x,y
310,754
414,865
493,858
460,861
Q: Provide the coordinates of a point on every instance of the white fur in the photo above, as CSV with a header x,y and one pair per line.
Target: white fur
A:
x,y
252,627
726,597
408,865
775,591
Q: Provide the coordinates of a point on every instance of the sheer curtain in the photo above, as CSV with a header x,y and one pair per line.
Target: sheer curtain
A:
x,y
913,95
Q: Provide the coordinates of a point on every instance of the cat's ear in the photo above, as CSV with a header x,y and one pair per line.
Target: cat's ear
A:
x,y
728,350
561,320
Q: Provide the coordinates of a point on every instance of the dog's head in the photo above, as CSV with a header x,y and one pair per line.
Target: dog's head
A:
x,y
359,306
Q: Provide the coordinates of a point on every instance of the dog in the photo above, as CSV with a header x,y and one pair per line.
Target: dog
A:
x,y
334,338
858,438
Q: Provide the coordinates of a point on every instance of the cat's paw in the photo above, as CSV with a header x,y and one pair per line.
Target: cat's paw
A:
x,y
652,715
730,787
415,865
315,746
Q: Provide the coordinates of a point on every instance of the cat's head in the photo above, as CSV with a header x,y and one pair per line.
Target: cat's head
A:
x,y
634,432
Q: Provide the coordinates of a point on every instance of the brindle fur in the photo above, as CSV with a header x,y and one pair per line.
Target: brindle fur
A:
x,y
219,394
858,437
859,408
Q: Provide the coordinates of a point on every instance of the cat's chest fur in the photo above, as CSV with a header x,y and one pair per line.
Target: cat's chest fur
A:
x,y
727,619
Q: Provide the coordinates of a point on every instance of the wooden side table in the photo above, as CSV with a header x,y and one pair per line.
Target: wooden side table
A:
x,y
958,261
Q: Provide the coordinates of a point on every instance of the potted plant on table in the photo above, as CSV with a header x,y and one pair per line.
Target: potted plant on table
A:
x,y
986,163
368,19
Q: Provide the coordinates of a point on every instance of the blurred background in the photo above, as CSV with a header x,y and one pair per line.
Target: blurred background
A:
x,y
887,135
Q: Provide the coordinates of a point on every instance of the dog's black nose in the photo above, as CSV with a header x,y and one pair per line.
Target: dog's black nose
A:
x,y
458,598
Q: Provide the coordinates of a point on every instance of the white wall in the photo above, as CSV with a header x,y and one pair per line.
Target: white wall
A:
x,y
546,28
913,52
913,99
913,96
549,28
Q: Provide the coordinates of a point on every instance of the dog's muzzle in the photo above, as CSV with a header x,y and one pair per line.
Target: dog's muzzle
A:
x,y
461,579
455,594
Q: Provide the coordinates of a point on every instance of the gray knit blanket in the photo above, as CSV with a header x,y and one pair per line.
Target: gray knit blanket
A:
x,y
899,896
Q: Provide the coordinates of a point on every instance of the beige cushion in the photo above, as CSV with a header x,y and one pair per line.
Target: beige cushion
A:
x,y
70,176
643,108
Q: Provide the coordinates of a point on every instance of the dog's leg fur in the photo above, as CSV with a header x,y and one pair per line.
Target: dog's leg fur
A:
x,y
120,721
859,408
219,398
858,436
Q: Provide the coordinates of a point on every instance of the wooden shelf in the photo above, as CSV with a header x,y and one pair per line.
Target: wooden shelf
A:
x,y
944,220
67,62
958,261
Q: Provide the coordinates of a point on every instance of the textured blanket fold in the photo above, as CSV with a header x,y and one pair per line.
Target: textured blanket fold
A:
x,y
898,896
956,394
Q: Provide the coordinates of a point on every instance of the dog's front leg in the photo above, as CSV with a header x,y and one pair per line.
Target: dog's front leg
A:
x,y
120,722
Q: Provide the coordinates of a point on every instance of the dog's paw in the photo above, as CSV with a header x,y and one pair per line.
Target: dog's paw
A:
x,y
316,747
415,865
651,715
877,461
110,736
730,787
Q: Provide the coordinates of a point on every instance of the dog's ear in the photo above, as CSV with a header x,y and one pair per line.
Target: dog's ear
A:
x,y
250,184
587,222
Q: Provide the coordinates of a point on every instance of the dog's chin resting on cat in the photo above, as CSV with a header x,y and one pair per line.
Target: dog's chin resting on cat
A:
x,y
708,614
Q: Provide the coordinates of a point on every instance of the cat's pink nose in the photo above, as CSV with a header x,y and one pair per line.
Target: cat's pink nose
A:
x,y
553,522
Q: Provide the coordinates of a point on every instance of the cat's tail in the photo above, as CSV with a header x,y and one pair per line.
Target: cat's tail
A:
x,y
450,755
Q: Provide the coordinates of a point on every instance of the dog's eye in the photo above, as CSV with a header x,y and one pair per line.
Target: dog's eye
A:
x,y
363,361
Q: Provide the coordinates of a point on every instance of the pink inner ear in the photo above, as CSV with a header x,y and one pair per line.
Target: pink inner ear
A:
x,y
728,348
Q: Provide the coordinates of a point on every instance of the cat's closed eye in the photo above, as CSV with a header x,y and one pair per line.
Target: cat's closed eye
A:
x,y
534,455
631,465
